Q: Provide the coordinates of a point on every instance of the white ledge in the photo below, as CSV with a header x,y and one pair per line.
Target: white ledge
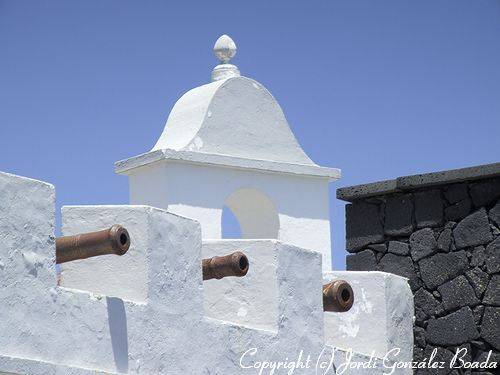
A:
x,y
126,165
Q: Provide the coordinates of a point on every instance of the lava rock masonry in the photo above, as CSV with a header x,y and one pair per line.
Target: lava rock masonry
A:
x,y
446,240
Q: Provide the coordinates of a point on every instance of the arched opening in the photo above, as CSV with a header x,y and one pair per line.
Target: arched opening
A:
x,y
230,225
248,213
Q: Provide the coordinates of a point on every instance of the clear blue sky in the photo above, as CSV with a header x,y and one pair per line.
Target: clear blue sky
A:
x,y
377,88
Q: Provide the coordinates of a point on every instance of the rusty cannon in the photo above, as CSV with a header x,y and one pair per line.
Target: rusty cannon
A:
x,y
114,240
337,296
235,264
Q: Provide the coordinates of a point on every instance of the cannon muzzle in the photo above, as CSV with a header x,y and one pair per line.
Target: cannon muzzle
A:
x,y
114,240
235,264
337,296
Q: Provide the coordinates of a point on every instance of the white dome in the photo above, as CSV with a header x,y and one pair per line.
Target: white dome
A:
x,y
234,117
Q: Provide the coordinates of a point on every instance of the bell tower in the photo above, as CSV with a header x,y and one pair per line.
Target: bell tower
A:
x,y
228,143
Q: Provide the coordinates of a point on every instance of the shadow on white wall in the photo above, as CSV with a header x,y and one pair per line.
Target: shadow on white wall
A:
x,y
249,213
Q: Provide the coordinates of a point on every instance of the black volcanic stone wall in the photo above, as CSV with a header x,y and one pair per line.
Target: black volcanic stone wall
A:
x,y
446,240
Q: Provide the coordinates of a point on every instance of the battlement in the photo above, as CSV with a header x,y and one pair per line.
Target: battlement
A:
x,y
226,144
150,312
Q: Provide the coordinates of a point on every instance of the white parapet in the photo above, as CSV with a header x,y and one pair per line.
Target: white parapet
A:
x,y
124,277
255,300
252,300
381,319
164,319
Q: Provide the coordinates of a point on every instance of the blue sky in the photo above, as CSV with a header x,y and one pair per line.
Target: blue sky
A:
x,y
377,88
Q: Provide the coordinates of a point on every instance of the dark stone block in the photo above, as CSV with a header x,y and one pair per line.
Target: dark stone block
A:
x,y
489,326
398,215
450,225
493,256
478,314
444,240
407,183
379,248
473,230
419,335
363,225
399,248
418,353
485,192
400,265
353,193
478,256
422,243
458,211
448,177
420,318
495,214
438,355
492,296
478,344
464,352
362,261
456,193
484,355
442,267
457,293
479,280
428,208
427,304
452,329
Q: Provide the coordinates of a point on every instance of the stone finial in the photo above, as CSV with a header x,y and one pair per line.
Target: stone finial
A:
x,y
224,50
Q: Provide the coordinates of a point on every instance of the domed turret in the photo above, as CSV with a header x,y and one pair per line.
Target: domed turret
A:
x,y
228,143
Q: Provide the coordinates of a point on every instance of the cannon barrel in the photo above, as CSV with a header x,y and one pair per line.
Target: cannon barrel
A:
x,y
114,240
235,264
337,296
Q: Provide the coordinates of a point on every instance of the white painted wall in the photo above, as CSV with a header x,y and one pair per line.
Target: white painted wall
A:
x,y
250,301
200,192
49,329
62,328
123,277
380,319
246,157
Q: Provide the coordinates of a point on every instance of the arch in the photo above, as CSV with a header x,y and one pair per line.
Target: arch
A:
x,y
255,212
230,226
